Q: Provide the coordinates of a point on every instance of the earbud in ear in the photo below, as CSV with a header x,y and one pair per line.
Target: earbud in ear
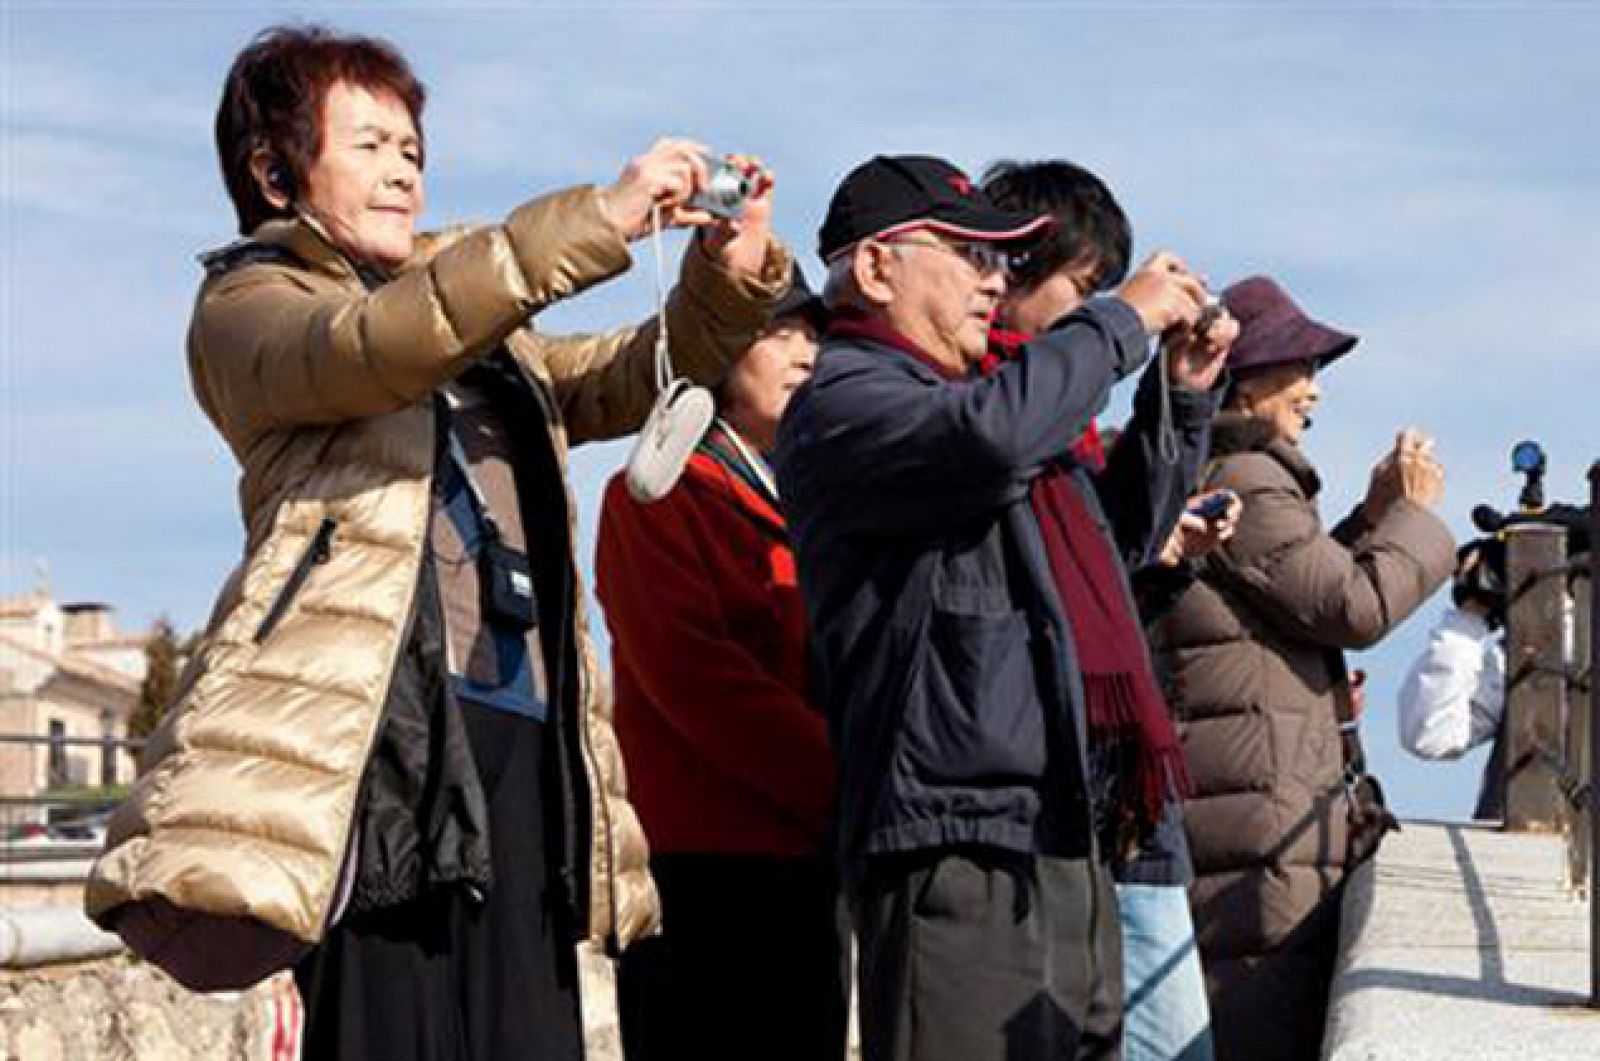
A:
x,y
278,177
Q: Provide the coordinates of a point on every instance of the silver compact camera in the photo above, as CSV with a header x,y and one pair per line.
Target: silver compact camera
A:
x,y
725,193
1209,314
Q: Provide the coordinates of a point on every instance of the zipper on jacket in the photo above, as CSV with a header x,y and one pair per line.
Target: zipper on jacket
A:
x,y
316,553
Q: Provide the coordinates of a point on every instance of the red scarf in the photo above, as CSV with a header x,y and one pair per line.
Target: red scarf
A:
x,y
1126,712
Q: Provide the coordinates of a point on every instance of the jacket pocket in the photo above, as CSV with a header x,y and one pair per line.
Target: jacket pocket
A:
x,y
316,553
984,717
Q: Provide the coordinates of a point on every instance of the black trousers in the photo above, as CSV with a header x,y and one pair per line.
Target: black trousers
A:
x,y
1274,1006
751,963
973,954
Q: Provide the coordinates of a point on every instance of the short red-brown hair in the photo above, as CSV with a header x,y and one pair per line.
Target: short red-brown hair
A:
x,y
272,100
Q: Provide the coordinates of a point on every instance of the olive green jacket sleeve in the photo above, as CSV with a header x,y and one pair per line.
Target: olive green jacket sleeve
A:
x,y
302,344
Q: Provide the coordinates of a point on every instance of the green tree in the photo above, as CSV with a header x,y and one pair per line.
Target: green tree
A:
x,y
163,655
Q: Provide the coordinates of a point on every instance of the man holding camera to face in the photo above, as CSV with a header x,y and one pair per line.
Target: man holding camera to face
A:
x,y
1135,759
939,599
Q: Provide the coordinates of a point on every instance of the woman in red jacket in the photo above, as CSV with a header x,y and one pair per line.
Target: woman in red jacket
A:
x,y
728,760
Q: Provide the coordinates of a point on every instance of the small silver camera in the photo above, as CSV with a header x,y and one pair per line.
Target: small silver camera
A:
x,y
1209,314
725,193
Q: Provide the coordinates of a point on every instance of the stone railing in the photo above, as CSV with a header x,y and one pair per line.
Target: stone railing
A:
x,y
1551,730
1462,942
120,1009
69,992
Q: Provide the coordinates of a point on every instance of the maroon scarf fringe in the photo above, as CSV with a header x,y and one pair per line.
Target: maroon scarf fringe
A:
x,y
1122,700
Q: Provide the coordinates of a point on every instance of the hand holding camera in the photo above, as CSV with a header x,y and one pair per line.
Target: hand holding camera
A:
x,y
1196,355
680,180
740,197
1164,293
679,184
1408,471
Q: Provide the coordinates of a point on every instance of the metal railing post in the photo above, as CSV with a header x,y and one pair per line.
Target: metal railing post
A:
x,y
1575,777
1594,736
1536,677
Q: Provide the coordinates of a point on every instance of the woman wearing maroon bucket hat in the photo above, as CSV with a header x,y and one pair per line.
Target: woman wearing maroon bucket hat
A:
x,y
1259,683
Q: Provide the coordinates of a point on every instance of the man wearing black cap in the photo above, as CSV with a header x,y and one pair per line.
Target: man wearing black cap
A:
x,y
938,604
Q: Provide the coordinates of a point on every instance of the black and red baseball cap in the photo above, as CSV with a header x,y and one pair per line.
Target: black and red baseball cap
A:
x,y
898,193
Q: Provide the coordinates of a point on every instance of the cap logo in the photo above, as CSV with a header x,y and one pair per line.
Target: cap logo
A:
x,y
962,186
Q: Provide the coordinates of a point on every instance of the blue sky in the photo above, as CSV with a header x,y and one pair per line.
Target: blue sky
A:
x,y
1422,174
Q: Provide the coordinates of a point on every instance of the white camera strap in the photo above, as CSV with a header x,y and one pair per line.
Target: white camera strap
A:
x,y
663,351
1166,433
681,413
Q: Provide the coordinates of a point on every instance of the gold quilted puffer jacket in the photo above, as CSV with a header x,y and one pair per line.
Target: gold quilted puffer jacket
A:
x,y
234,837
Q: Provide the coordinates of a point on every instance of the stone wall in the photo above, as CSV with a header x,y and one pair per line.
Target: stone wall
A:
x,y
120,1009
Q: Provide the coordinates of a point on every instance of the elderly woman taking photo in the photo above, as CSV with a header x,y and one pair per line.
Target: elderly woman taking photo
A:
x,y
1255,651
390,762
727,753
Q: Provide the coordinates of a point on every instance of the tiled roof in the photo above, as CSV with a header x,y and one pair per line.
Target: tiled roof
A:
x,y
87,669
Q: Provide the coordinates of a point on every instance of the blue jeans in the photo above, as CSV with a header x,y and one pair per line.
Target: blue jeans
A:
x,y
1166,1015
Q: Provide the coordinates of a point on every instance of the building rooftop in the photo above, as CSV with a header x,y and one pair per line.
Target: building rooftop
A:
x,y
73,664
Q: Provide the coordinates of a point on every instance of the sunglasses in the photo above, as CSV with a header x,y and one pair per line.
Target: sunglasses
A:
x,y
985,258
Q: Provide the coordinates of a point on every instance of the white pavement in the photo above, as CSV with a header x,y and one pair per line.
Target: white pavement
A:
x,y
1462,942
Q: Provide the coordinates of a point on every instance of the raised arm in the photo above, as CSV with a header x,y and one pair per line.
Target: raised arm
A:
x,y
1283,563
1143,491
1148,479
274,346
923,453
606,383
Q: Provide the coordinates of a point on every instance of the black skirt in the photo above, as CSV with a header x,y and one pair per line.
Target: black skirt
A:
x,y
451,976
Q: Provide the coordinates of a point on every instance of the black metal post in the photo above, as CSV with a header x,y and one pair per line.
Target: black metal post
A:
x,y
69,742
1594,735
108,760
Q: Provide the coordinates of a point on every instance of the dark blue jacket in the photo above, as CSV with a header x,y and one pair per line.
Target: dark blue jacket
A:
x,y
942,651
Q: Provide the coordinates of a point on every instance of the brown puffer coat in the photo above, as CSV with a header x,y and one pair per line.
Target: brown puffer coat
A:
x,y
236,832
1254,654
